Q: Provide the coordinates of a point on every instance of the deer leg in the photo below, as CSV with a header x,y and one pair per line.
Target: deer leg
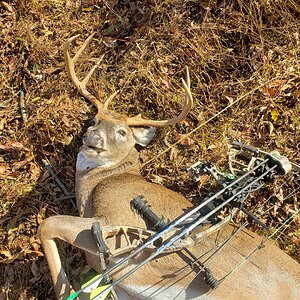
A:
x,y
74,230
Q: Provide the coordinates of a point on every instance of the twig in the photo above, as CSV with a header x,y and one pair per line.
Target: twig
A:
x,y
67,197
111,9
57,180
22,107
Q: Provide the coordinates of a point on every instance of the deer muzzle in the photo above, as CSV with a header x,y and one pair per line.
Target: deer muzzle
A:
x,y
93,140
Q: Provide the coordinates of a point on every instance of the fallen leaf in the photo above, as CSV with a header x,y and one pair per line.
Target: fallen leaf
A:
x,y
277,82
35,171
8,8
109,42
34,279
144,155
3,169
166,81
279,195
229,97
12,258
13,221
6,253
295,240
34,239
156,179
274,115
18,165
270,91
73,3
34,253
266,128
50,71
173,154
39,219
206,5
36,246
203,179
254,227
66,121
184,140
2,123
13,146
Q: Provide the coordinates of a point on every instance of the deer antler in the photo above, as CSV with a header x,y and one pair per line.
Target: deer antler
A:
x,y
70,65
131,121
139,121
81,85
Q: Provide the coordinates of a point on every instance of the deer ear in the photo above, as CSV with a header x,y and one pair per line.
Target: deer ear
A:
x,y
143,136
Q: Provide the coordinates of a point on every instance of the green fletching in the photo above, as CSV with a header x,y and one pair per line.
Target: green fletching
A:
x,y
73,296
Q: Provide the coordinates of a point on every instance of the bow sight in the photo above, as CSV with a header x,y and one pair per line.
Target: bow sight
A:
x,y
250,169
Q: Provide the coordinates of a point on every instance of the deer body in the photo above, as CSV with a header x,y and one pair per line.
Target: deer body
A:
x,y
258,277
108,178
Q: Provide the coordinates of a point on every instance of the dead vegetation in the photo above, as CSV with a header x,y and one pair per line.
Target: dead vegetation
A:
x,y
243,58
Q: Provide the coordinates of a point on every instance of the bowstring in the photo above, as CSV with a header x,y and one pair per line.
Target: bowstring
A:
x,y
219,246
264,240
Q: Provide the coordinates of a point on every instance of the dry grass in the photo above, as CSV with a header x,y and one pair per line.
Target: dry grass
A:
x,y
231,48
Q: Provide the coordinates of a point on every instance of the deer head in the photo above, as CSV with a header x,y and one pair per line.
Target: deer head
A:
x,y
113,136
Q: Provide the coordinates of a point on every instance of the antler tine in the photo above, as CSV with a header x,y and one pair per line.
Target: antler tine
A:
x,y
139,121
110,98
188,81
70,66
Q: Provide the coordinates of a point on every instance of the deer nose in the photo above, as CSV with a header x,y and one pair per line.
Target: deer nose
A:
x,y
93,139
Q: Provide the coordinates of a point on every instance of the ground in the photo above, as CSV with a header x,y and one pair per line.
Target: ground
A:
x,y
243,58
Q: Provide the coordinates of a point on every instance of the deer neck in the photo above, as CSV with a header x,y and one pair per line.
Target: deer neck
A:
x,y
100,172
88,179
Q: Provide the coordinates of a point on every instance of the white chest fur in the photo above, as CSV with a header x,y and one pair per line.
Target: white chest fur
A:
x,y
83,164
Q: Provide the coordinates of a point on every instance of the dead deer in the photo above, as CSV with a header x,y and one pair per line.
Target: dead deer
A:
x,y
108,178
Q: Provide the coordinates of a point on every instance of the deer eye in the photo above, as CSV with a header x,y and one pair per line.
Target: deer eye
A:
x,y
93,123
122,132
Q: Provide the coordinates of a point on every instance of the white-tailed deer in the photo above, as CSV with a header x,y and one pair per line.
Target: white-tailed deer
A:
x,y
108,178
